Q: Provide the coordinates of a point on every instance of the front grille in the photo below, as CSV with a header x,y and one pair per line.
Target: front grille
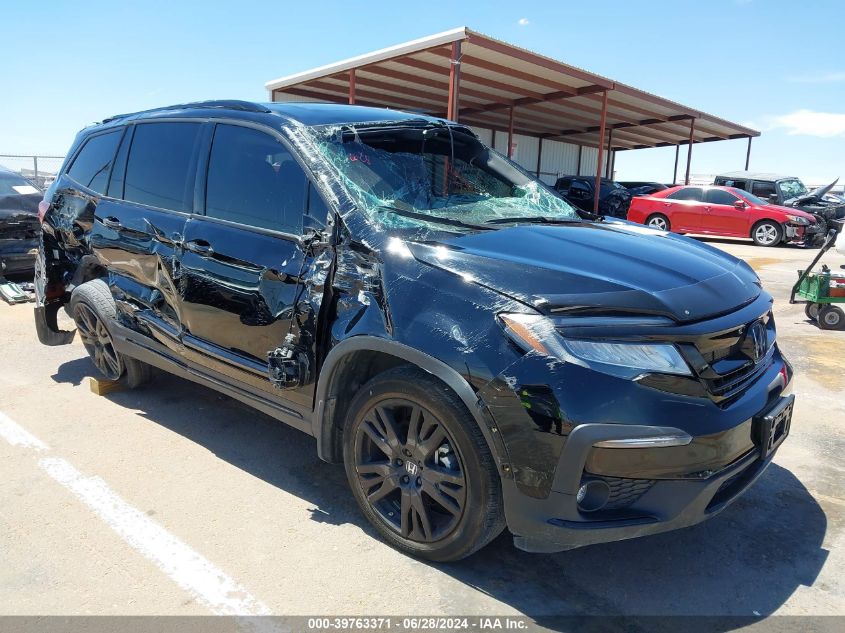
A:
x,y
726,363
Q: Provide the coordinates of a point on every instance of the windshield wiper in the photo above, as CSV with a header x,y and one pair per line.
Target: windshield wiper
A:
x,y
425,217
535,219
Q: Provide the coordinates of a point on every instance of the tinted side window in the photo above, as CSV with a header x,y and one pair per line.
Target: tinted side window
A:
x,y
720,196
254,180
763,190
687,193
92,165
160,169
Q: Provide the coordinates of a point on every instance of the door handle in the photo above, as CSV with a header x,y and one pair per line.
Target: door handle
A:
x,y
200,247
112,222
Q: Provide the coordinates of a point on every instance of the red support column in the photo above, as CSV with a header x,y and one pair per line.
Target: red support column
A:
x,y
748,154
510,132
454,82
675,172
539,155
602,124
689,149
352,87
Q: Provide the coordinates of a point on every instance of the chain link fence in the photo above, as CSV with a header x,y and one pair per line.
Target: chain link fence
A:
x,y
39,170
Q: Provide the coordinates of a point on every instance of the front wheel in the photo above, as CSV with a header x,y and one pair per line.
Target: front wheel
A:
x,y
831,318
767,233
658,221
812,311
420,468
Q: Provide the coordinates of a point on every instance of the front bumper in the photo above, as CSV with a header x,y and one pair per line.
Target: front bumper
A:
x,y
649,507
803,235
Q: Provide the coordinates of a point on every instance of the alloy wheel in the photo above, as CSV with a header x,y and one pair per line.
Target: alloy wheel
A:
x,y
766,234
409,470
98,342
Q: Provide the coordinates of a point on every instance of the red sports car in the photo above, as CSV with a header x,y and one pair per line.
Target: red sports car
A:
x,y
723,211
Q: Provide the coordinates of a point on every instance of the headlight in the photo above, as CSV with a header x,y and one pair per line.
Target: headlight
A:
x,y
533,332
797,219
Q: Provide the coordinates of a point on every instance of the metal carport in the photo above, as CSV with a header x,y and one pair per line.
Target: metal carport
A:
x,y
523,97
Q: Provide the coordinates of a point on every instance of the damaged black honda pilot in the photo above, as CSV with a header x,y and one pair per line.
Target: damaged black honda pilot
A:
x,y
475,351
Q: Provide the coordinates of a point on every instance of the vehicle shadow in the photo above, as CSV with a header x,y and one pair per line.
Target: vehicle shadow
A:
x,y
745,562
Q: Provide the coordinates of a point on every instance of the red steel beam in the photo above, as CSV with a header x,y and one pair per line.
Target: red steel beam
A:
x,y
510,133
689,149
602,123
454,81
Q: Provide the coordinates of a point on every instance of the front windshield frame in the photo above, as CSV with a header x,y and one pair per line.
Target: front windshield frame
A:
x,y
534,201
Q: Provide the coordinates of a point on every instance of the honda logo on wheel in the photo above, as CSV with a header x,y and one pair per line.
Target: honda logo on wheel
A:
x,y
411,467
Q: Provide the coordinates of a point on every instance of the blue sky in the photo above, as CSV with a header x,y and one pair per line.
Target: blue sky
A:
x,y
776,65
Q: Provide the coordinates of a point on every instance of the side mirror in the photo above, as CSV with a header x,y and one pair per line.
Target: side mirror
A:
x,y
773,198
740,205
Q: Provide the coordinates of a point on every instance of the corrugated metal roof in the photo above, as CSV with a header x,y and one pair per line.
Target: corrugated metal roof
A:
x,y
550,99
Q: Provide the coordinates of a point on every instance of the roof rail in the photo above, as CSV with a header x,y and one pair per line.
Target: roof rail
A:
x,y
219,104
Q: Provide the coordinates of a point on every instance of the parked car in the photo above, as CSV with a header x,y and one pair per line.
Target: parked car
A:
x,y
789,191
474,350
640,188
724,211
19,226
580,191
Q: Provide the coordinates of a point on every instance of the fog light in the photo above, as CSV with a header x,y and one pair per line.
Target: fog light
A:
x,y
593,495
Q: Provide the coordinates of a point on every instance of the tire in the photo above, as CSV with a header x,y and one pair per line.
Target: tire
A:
x,y
812,311
93,309
767,233
831,318
433,493
658,221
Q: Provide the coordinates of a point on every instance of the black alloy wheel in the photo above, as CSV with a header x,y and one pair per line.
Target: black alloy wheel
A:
x,y
420,467
410,471
97,341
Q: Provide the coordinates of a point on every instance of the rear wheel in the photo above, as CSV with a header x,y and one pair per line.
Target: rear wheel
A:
x,y
812,311
831,318
420,468
93,310
767,233
658,221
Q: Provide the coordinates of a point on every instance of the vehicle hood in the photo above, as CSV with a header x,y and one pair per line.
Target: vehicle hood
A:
x,y
814,196
608,267
791,211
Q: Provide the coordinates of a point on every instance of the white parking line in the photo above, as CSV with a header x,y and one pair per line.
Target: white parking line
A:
x,y
188,569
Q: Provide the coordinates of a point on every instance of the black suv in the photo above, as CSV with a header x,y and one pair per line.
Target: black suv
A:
x,y
475,351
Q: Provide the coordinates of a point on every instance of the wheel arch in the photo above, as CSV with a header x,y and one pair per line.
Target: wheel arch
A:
x,y
341,373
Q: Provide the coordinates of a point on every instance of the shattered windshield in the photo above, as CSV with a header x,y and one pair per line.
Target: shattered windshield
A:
x,y
435,177
792,188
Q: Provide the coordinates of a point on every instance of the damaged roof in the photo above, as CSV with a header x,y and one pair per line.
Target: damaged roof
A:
x,y
550,99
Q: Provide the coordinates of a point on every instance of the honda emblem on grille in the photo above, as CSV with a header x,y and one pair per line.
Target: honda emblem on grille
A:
x,y
757,340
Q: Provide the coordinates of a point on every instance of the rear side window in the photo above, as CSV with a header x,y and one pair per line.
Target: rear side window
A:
x,y
688,193
254,180
161,165
92,165
720,196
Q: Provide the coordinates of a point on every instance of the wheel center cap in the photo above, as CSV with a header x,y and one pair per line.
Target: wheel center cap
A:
x,y
411,468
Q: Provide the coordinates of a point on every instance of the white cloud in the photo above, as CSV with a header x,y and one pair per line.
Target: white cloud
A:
x,y
819,77
523,22
811,123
